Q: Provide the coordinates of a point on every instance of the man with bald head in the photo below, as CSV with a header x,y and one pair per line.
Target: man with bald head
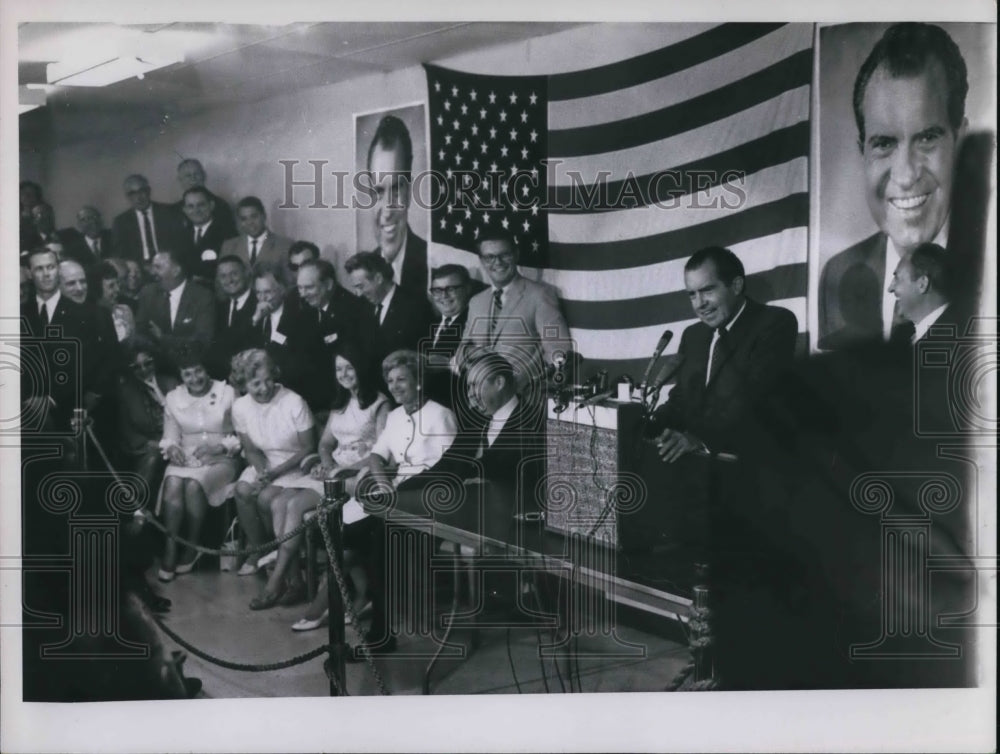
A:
x,y
89,242
191,174
147,226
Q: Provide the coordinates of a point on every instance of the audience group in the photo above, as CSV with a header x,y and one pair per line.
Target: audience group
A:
x,y
219,360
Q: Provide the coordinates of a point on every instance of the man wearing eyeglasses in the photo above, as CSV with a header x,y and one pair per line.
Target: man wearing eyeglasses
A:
x,y
516,317
147,226
451,287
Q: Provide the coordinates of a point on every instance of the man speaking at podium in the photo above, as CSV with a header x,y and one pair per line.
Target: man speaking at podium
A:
x,y
730,361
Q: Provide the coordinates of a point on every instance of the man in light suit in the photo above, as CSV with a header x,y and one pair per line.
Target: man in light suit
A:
x,y
175,311
518,318
256,243
909,106
147,226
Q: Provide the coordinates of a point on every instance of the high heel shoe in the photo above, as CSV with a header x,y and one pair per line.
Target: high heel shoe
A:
x,y
189,566
307,624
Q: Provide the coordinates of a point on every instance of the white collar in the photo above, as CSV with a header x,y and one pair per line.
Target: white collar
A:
x,y
259,239
729,325
179,290
242,299
503,413
920,328
50,303
384,303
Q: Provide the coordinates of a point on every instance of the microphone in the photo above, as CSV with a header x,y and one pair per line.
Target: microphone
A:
x,y
668,371
660,346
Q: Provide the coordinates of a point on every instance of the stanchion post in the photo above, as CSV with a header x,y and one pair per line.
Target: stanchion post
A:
x,y
702,633
80,430
333,493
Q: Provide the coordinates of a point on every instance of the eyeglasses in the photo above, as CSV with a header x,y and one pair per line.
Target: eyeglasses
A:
x,y
440,291
143,364
492,259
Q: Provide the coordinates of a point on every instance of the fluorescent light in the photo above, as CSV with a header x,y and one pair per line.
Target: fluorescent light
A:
x,y
102,72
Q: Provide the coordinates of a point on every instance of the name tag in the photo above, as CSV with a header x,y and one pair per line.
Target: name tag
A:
x,y
278,338
330,338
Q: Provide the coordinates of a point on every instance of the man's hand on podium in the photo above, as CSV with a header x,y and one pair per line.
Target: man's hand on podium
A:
x,y
672,444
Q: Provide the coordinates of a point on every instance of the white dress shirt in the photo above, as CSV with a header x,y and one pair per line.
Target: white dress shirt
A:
x,y
148,244
50,303
892,257
240,302
260,244
385,303
499,419
920,328
715,339
175,300
415,442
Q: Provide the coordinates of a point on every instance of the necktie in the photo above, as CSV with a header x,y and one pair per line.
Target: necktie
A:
x,y
267,329
718,351
253,250
97,247
443,324
197,234
150,239
484,441
497,307
43,315
378,313
232,311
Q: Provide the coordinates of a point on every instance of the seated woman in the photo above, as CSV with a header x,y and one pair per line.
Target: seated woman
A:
x,y
199,443
277,432
142,395
357,417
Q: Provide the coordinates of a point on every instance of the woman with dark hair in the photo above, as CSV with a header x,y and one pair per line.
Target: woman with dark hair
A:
x,y
142,395
277,432
357,417
199,442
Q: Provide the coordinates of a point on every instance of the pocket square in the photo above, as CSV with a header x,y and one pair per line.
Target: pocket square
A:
x,y
330,338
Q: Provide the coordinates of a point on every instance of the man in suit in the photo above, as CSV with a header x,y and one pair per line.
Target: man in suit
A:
x,y
206,235
175,311
89,243
147,226
450,292
920,284
398,317
44,220
390,162
191,174
277,326
256,242
330,316
518,318
30,195
233,315
297,255
909,106
47,400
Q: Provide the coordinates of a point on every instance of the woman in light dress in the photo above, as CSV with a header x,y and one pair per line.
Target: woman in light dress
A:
x,y
201,448
277,432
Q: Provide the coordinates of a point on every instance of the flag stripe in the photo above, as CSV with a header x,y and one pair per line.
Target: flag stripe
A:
x,y
764,186
776,148
635,342
788,280
757,254
790,73
641,68
685,85
782,112
768,218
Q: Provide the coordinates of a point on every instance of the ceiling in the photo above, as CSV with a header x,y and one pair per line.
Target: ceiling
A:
x,y
230,63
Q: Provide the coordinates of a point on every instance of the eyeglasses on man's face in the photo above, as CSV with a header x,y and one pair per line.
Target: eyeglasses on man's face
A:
x,y
504,257
440,291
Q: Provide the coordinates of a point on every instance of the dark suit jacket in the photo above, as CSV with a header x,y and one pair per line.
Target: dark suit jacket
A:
x,y
168,227
140,417
213,240
414,277
195,320
289,347
274,249
725,413
406,323
75,247
441,384
221,215
64,379
231,338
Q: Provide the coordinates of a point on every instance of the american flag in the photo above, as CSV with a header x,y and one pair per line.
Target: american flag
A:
x,y
701,141
489,137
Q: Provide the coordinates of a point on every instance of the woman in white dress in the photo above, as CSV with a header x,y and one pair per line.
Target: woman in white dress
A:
x,y
357,417
201,448
277,432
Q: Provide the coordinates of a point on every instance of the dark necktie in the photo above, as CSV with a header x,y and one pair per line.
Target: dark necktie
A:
x,y
718,354
150,238
232,312
497,308
378,313
43,315
197,234
97,247
253,250
267,329
484,441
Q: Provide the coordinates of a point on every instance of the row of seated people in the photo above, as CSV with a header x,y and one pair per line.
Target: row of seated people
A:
x,y
255,439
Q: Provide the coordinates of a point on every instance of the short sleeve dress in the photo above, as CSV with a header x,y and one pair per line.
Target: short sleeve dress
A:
x,y
190,421
274,427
